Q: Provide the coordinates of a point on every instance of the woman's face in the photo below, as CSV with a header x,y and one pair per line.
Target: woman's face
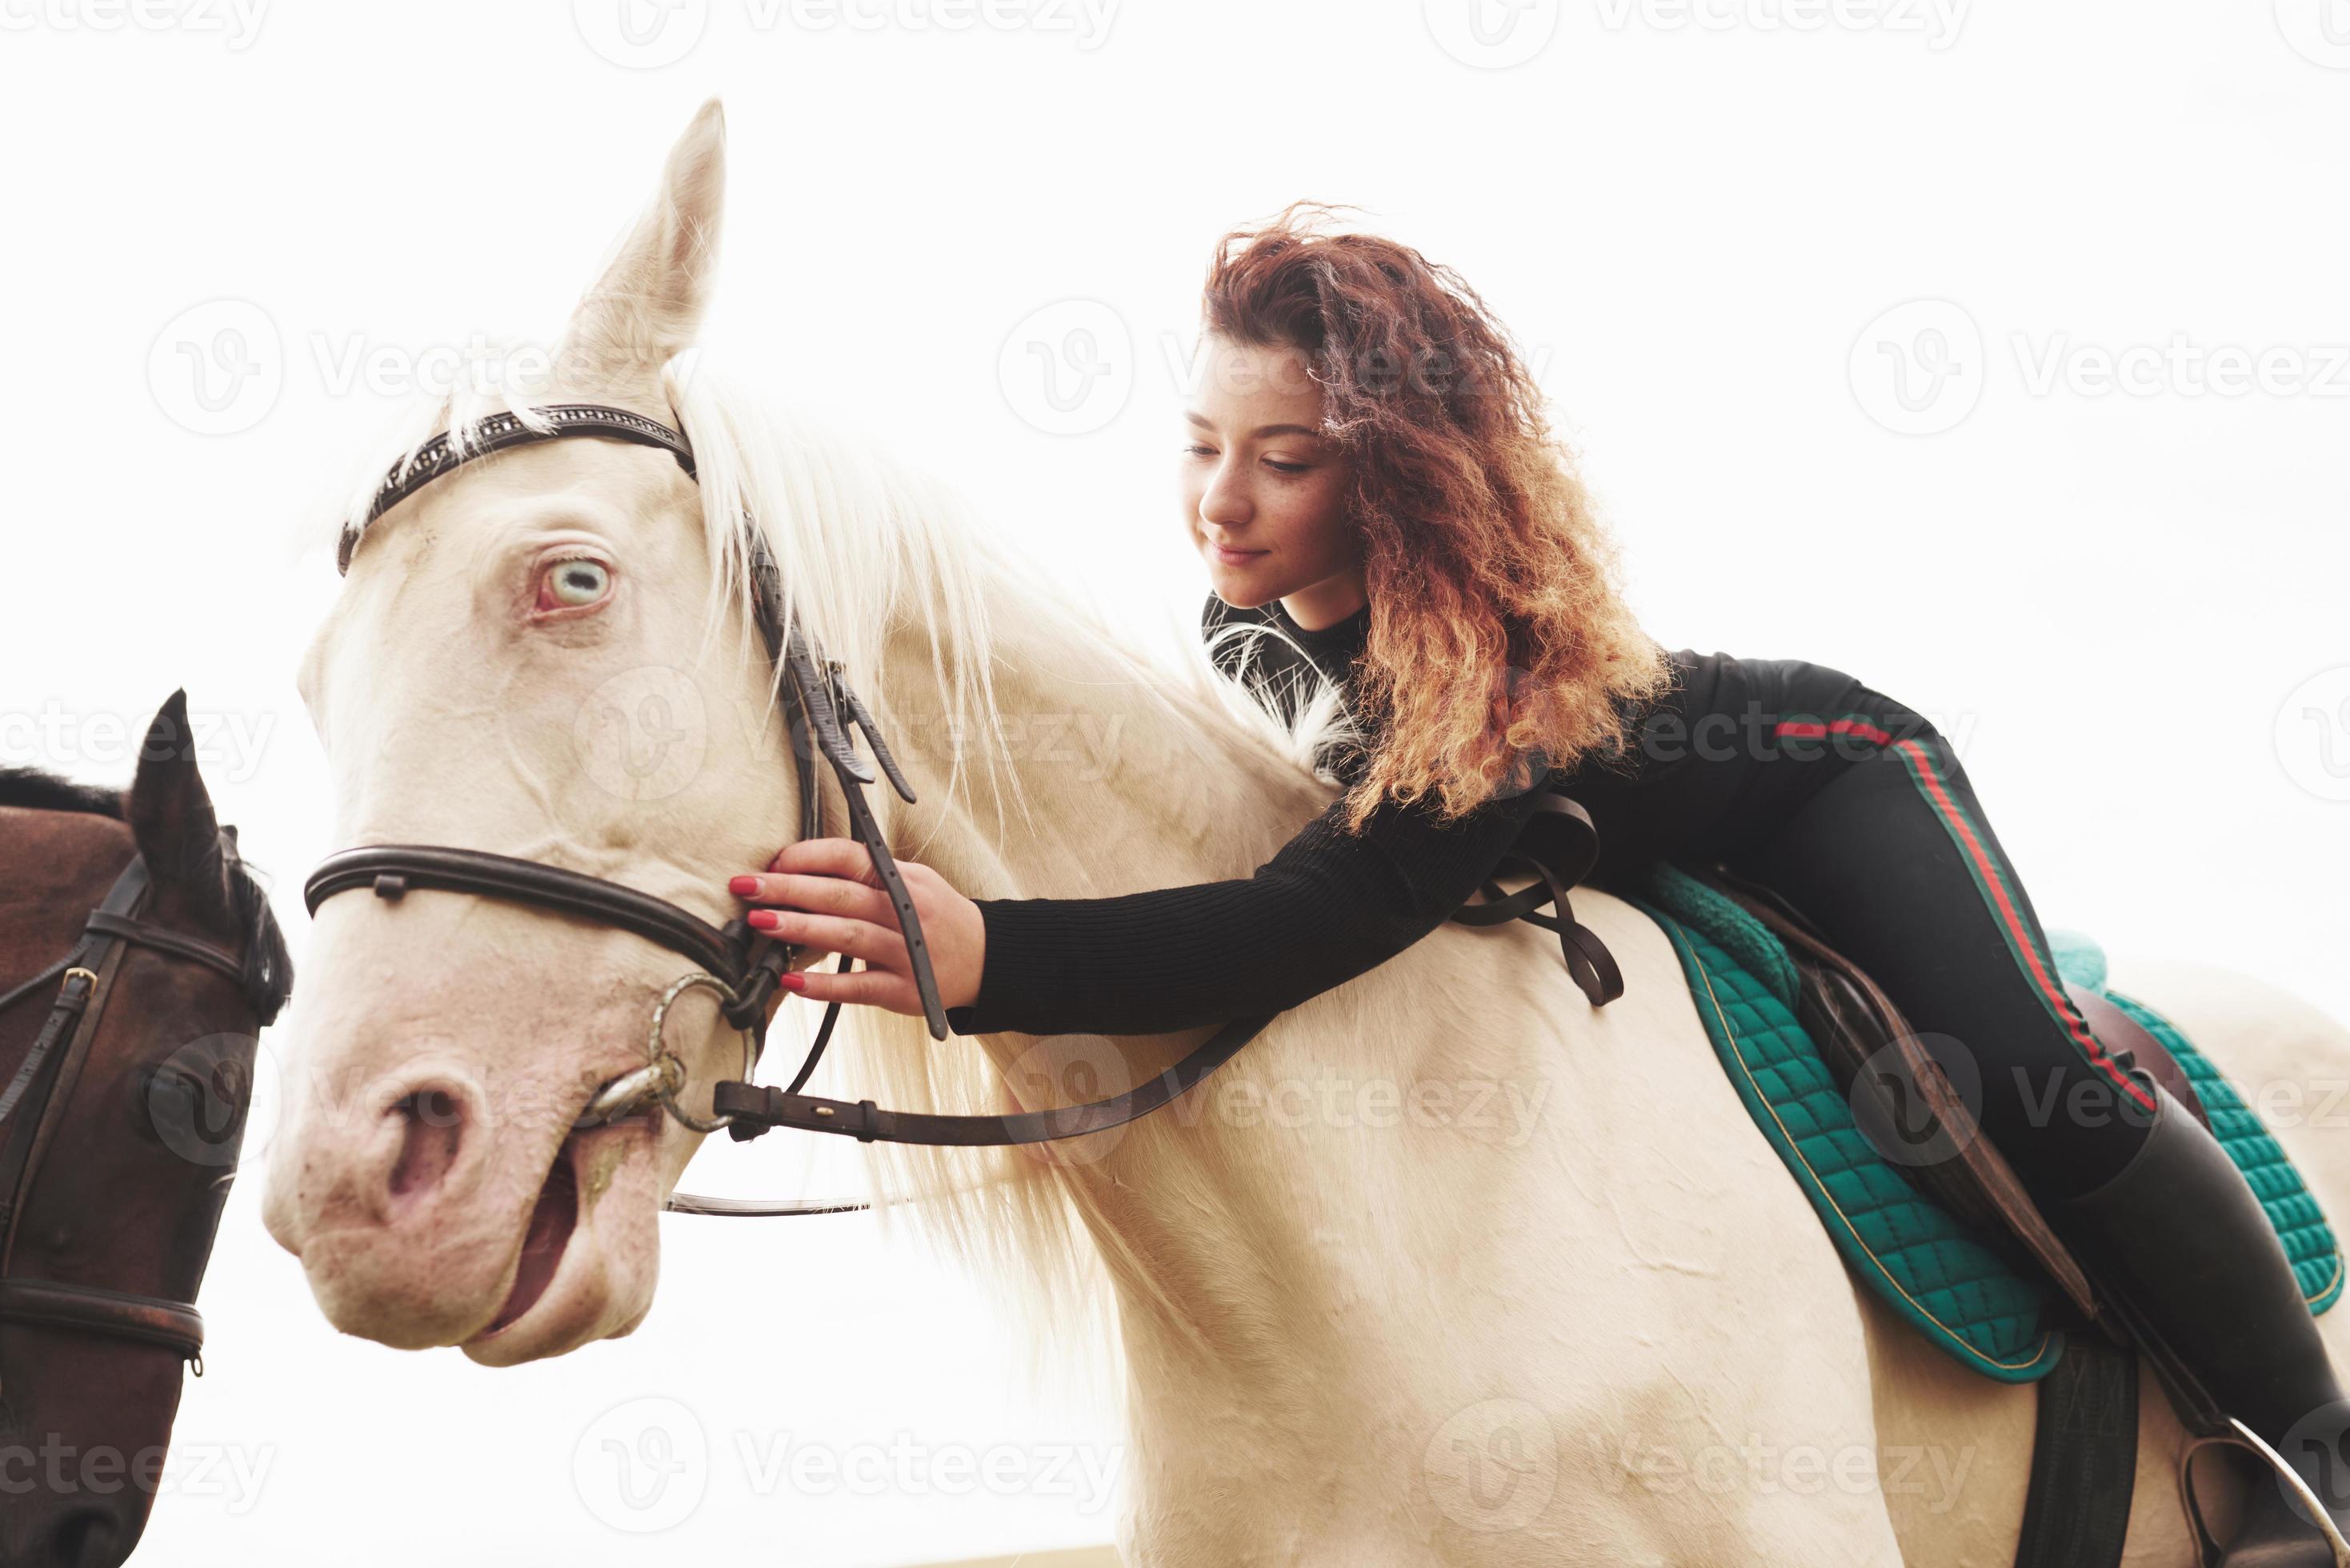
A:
x,y
1262,491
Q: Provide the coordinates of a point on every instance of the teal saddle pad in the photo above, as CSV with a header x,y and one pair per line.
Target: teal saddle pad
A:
x,y
1921,1260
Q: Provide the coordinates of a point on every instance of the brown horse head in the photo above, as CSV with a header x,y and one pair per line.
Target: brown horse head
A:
x,y
119,1157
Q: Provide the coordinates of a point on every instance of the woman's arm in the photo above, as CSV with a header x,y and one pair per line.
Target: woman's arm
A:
x,y
1324,909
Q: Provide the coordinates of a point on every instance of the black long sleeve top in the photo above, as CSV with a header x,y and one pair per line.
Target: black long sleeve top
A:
x,y
1324,909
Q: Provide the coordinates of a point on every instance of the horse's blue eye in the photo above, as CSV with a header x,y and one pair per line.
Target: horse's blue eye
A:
x,y
578,582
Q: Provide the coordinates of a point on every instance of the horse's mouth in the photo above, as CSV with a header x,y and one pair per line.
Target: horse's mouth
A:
x,y
553,1218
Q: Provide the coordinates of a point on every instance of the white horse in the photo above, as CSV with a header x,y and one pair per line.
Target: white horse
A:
x,y
1447,1267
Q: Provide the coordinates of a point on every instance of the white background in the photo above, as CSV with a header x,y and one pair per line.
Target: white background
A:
x,y
2123,606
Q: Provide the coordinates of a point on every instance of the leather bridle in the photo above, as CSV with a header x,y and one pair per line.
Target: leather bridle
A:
x,y
33,1102
743,966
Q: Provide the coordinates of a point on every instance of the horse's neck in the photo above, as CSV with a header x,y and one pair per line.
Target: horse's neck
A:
x,y
1251,1228
1114,794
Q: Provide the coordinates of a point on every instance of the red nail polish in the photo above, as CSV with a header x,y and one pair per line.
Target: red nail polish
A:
x,y
792,980
765,920
745,885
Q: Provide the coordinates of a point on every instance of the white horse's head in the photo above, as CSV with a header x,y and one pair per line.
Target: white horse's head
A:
x,y
546,654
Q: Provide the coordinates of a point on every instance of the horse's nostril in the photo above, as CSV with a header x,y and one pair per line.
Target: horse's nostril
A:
x,y
434,1126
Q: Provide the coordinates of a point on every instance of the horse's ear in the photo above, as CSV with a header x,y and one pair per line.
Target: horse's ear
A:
x,y
647,304
170,814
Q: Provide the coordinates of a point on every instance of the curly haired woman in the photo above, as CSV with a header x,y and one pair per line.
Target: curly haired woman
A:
x,y
1369,473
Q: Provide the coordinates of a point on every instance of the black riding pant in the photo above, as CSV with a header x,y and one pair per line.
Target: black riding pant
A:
x,y
1854,810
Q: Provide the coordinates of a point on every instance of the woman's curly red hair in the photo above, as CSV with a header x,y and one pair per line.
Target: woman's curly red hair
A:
x,y
1498,636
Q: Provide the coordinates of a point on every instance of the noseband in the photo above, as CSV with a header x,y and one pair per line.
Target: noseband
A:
x,y
742,967
33,1100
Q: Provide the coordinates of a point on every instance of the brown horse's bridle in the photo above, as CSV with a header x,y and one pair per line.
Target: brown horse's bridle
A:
x,y
33,1102
743,967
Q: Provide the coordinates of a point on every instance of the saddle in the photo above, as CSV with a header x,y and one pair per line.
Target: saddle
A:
x,y
1853,1021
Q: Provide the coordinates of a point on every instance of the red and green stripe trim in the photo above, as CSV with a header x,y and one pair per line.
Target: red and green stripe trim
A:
x,y
1991,880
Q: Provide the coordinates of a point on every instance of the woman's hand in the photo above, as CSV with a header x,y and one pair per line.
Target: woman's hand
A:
x,y
821,895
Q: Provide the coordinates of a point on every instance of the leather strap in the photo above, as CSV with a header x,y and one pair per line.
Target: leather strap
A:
x,y
1588,961
756,1109
391,869
175,1325
165,941
1977,1165
444,454
2083,1459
